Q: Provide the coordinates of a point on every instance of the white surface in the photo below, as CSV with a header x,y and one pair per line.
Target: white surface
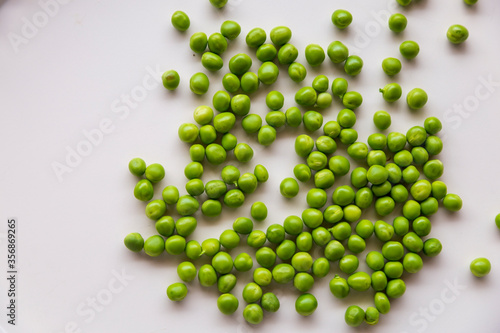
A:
x,y
70,76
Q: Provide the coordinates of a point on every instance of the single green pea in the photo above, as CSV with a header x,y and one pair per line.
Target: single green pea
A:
x,y
420,155
306,96
315,55
240,63
306,304
382,120
433,145
452,202
391,92
312,217
293,116
457,34
320,83
433,169
262,276
332,129
258,211
324,100
252,292
249,82
275,100
399,193
379,281
321,236
326,144
199,83
339,287
177,291
251,123
266,135
208,134
372,315
411,210
382,303
203,114
187,205
256,37
321,267
404,3
401,226
358,177
229,141
243,152
412,263
338,53
210,246
377,141
354,316
359,281
375,260
240,105
391,66
253,313
186,271
416,136
352,213
376,157
155,172
193,170
381,191
438,189
341,18
433,125
211,61
266,257
175,245
256,238
198,42
185,225
422,226
218,3
134,242
352,100
289,188
377,174
217,43
349,264
339,165
229,239
276,119
364,197
317,160
211,208
197,153
275,233
403,158
353,65
364,229
421,190
231,82
432,247
180,20
346,118
286,249
215,153
393,250
397,22
268,72
137,166
356,244
230,29
293,225
287,54
230,175
170,79
343,195
316,198
143,190
303,282
221,101
396,141
261,173
323,179
334,250
304,241
416,98
312,120
409,49
393,269
243,225
280,35
383,231
395,288
302,261
410,174
227,304
270,302
193,250
283,273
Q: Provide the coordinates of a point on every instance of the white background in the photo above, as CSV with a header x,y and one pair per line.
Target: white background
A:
x,y
66,76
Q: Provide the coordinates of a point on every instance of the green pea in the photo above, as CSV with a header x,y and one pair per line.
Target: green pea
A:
x,y
266,52
403,158
364,229
134,242
303,282
286,250
177,291
211,208
287,55
377,174
349,264
326,144
211,61
379,281
416,98
323,179
262,276
197,153
332,129
243,225
193,250
416,136
253,314
221,101
346,118
383,231
231,82
293,117
266,257
354,316
409,49
312,217
251,123
261,173
433,125
359,177
275,233
229,239
270,302
382,120
268,73
293,225
393,250
353,65
320,83
280,35
321,267
334,250
348,136
187,205
227,304
306,304
421,226
382,303
306,96
352,100
203,114
249,82
429,206
316,198
256,37
198,42
199,83
175,245
401,226
381,191
283,273
452,202
240,64
266,135
356,244
218,3
391,66
258,211
364,197
240,105
404,3
470,2
412,263
137,166
316,160
438,189
180,20
252,292
432,247
339,287
358,151
243,152
397,22
276,119
338,53
339,165
230,175
185,225
170,79
315,55
256,238
155,172
186,271
210,246
457,34
393,269
395,288
376,157
313,120
208,134
341,18
411,210
396,141
410,174
230,29
391,92
375,260
302,261
229,141
372,315
433,145
359,281
352,213
377,141
420,155
215,154
217,43
143,190
289,188
433,169
343,195
321,236
207,276
275,100
324,100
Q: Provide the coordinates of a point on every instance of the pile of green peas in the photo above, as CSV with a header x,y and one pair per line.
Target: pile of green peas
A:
x,y
398,173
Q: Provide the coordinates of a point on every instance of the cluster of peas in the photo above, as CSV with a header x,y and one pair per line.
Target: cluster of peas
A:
x,y
287,258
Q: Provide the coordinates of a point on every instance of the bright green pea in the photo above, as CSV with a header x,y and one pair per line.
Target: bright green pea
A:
x,y
352,213
358,177
203,114
258,211
353,65
433,169
231,82
268,73
251,123
210,246
375,260
256,238
275,100
293,116
177,291
230,175
186,271
137,166
376,157
316,198
313,120
349,264
397,22
432,247
321,236
359,281
354,316
208,134
393,250
243,262
421,190
315,55
356,244
234,198
320,83
379,280
249,82
286,249
218,3
452,202
262,276
270,302
332,129
383,231
381,190
410,174
275,233
199,83
280,35
211,208
253,313
411,210
334,251
227,304
416,98
266,257
352,100
185,225
395,288
338,53
155,172
312,217
382,120
391,66
170,79
343,195
193,170
303,282
326,144
457,34
409,49
207,275
364,197
420,155
180,20
304,241
306,304
143,190
266,52
283,273
261,173
211,61
293,225
339,287
276,119
393,269
403,158
229,141
422,226
230,29
382,303
306,96
297,72
416,136
372,315
433,145
377,141
377,174
438,189
287,54
193,250
433,125
289,188
243,225
346,118
317,160
324,100
256,37
175,245
412,263
240,64
217,43
302,261
404,3
134,242
321,267
391,92
358,151
339,165
229,239
197,153
266,135
399,193
243,152
240,105
364,229
341,18
401,226
396,141
156,209
198,42
215,153
323,179
221,101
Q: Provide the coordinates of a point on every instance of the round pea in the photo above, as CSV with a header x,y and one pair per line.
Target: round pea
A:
x,y
422,226
177,291
409,49
243,225
364,229
240,105
397,22
251,123
395,288
416,98
180,20
249,82
432,247
304,241
303,282
359,281
262,276
283,273
338,53
383,231
287,55
306,96
210,246
170,79
266,135
391,66
339,287
293,225
382,303
354,316
349,264
321,267
252,292
198,42
215,154
312,120
343,195
134,242
256,37
433,125
186,271
315,55
217,43
227,304
199,83
230,29
452,202
229,239
211,208
353,65
375,260
289,188
420,155
393,269
276,119
280,35
218,3
268,73
339,165
261,173
193,250
457,34
143,190
270,302
302,261
352,100
253,313
334,250
306,304
391,92
175,245
185,225
240,63
332,129
341,18
382,120
286,249
412,263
